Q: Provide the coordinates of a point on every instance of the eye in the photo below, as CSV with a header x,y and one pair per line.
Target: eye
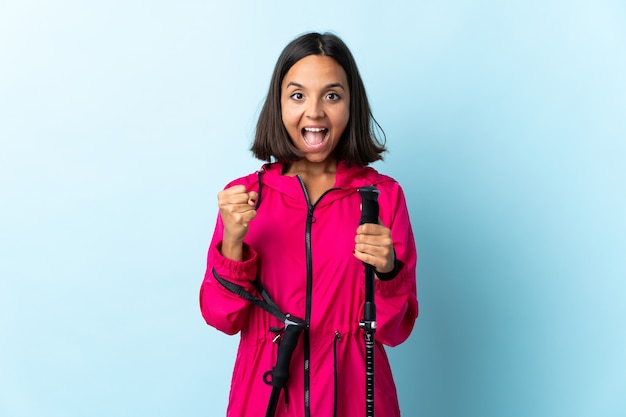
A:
x,y
333,96
297,96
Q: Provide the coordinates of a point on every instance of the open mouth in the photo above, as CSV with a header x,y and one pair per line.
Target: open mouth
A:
x,y
314,136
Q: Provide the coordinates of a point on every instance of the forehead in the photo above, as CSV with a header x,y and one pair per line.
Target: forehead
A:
x,y
316,69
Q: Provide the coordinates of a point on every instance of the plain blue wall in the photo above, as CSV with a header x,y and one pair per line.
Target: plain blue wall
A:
x,y
121,120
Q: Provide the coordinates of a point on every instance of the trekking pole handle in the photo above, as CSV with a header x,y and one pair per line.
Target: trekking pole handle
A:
x,y
369,214
369,204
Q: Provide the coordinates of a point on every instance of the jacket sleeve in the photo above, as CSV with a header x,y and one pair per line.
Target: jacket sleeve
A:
x,y
221,308
396,300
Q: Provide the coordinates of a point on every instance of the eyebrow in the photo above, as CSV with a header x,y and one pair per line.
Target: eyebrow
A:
x,y
333,85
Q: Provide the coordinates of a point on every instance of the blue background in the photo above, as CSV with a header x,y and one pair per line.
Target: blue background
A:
x,y
121,120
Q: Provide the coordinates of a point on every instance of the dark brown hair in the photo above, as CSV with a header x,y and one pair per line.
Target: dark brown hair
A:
x,y
359,144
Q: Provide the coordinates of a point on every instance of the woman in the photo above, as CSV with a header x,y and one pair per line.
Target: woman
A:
x,y
294,226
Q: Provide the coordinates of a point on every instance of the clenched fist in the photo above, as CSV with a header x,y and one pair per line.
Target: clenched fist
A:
x,y
236,206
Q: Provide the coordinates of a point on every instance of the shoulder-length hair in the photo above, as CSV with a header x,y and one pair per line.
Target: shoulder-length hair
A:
x,y
359,144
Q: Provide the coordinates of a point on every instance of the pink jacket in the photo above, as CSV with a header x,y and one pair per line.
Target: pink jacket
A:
x,y
303,255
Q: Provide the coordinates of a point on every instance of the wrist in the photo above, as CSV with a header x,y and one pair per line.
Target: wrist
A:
x,y
388,276
231,249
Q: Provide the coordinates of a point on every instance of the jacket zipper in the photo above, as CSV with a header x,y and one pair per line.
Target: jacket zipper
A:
x,y
309,289
336,370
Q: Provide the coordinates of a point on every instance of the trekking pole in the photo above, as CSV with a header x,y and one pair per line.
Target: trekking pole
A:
x,y
369,214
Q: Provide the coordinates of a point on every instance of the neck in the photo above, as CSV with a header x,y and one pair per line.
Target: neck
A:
x,y
312,169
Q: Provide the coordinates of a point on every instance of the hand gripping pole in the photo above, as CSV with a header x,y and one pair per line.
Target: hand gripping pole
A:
x,y
369,214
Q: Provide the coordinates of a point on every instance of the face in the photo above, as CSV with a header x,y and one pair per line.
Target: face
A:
x,y
315,106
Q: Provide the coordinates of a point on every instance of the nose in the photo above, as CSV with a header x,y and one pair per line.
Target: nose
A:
x,y
315,109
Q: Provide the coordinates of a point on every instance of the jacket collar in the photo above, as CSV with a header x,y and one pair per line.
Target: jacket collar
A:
x,y
348,179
